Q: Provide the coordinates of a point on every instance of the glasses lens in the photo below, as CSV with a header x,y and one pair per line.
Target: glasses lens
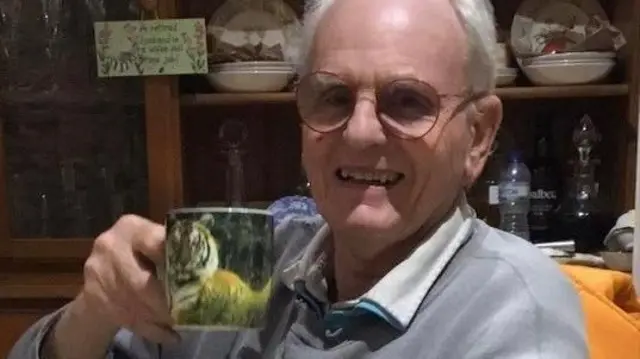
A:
x,y
410,107
324,101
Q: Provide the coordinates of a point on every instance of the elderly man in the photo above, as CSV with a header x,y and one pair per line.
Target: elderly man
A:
x,y
398,120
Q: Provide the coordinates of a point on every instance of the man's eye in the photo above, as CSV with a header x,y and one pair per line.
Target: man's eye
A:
x,y
405,104
409,100
336,97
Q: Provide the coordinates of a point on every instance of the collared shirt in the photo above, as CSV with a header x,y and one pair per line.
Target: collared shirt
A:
x,y
397,296
497,297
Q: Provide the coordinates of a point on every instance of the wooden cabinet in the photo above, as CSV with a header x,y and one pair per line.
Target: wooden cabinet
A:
x,y
14,324
18,314
173,123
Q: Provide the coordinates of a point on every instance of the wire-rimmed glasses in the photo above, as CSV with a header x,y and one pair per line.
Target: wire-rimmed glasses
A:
x,y
407,107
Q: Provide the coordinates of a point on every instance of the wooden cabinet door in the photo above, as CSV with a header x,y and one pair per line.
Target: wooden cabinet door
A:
x,y
12,325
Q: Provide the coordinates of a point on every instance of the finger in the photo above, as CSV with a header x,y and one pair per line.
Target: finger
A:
x,y
156,302
133,280
143,290
146,290
156,332
141,320
149,241
129,224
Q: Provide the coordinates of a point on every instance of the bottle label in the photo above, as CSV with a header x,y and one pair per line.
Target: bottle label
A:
x,y
494,197
511,191
541,194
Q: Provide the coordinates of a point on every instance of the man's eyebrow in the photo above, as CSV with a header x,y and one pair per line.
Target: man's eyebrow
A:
x,y
398,74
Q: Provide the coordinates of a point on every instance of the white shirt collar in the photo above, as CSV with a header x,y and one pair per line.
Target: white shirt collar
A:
x,y
401,291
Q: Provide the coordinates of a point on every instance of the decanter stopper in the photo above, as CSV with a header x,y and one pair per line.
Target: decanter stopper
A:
x,y
585,137
233,134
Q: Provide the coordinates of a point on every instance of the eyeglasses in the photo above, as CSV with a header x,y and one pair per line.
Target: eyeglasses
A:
x,y
408,108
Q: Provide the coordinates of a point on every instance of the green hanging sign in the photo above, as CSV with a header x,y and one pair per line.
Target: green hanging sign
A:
x,y
151,47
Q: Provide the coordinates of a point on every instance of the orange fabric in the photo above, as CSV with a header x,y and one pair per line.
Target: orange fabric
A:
x,y
612,311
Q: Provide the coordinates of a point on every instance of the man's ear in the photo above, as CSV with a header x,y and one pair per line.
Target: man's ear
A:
x,y
484,120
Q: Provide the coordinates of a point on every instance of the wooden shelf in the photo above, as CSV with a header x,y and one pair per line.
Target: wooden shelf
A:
x,y
40,285
214,99
539,92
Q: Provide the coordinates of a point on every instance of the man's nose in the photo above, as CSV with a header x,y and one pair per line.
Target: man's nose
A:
x,y
363,129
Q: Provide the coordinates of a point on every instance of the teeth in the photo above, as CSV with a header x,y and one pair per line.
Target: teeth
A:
x,y
378,177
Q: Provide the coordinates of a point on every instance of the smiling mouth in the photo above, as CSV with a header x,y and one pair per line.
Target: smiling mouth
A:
x,y
381,178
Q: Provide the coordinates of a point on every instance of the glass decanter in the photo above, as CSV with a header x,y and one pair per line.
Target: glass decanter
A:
x,y
579,216
233,134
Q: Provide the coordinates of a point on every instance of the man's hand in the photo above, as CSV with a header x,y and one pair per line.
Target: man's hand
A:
x,y
120,290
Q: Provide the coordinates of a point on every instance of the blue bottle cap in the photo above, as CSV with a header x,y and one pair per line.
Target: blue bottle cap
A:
x,y
515,156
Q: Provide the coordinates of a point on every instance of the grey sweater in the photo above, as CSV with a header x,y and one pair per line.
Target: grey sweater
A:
x,y
495,297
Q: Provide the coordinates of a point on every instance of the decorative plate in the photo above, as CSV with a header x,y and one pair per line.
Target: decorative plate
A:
x,y
253,30
545,26
292,207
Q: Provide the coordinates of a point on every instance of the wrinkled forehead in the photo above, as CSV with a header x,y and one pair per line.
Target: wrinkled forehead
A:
x,y
369,41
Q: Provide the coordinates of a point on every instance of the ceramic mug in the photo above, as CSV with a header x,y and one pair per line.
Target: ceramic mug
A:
x,y
218,267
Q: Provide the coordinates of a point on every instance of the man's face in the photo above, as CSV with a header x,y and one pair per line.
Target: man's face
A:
x,y
369,43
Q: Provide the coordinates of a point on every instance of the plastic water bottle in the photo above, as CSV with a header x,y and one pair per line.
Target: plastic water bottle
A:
x,y
513,194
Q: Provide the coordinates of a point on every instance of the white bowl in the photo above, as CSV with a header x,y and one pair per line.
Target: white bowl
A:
x,y
619,261
567,61
252,64
568,57
584,55
252,69
501,55
505,76
620,237
250,80
571,73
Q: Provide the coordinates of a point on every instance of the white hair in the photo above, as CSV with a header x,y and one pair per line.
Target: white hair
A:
x,y
475,15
